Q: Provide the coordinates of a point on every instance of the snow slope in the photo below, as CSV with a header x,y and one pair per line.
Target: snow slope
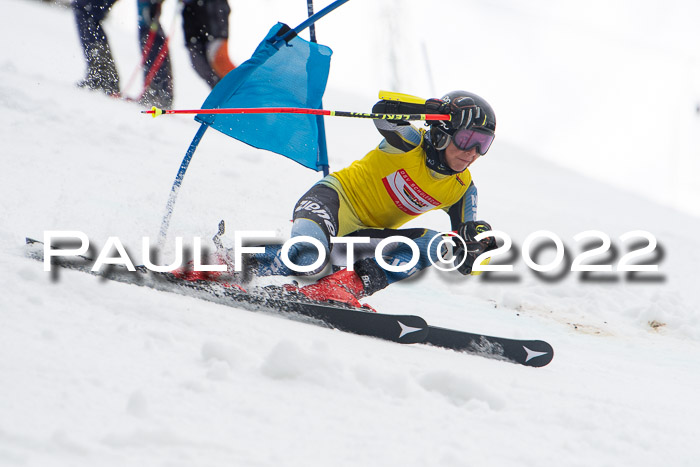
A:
x,y
93,372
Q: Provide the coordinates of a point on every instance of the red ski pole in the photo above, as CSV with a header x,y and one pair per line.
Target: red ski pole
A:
x,y
160,58
150,39
155,112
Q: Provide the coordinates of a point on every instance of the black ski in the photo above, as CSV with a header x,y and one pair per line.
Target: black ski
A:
x,y
404,329
525,352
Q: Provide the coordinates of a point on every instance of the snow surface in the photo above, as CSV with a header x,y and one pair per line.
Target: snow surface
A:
x,y
102,373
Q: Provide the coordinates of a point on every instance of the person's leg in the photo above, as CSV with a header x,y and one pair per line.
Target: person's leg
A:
x,y
316,216
101,70
157,68
368,276
218,12
205,26
323,213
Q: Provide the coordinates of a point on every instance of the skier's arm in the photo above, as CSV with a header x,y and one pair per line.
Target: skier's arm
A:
x,y
463,219
464,210
397,133
401,136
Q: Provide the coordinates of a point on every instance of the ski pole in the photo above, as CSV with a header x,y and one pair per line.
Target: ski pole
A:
x,y
155,111
160,58
150,39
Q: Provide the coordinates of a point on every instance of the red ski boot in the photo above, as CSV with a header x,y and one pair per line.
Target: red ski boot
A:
x,y
188,273
226,279
341,286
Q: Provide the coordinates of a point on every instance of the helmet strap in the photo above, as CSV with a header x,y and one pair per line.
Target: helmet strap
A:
x,y
435,159
441,139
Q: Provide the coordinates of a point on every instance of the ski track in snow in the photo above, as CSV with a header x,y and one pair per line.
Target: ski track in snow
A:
x,y
96,372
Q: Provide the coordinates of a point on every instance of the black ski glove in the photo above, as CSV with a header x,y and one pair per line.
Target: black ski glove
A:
x,y
468,231
461,111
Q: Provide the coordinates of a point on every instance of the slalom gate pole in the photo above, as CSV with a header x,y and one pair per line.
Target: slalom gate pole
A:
x,y
165,223
322,159
312,28
311,20
155,112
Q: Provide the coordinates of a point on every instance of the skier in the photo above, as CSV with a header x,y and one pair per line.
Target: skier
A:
x,y
411,172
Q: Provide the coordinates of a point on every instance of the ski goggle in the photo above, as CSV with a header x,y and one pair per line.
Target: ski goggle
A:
x,y
467,138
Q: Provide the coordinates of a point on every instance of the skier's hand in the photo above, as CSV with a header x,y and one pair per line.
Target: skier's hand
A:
x,y
396,107
468,231
461,111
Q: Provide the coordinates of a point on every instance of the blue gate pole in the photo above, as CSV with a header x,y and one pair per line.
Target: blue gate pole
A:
x,y
165,224
322,158
312,28
322,162
309,21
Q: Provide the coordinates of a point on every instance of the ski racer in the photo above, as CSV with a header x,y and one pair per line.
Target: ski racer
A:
x,y
411,172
